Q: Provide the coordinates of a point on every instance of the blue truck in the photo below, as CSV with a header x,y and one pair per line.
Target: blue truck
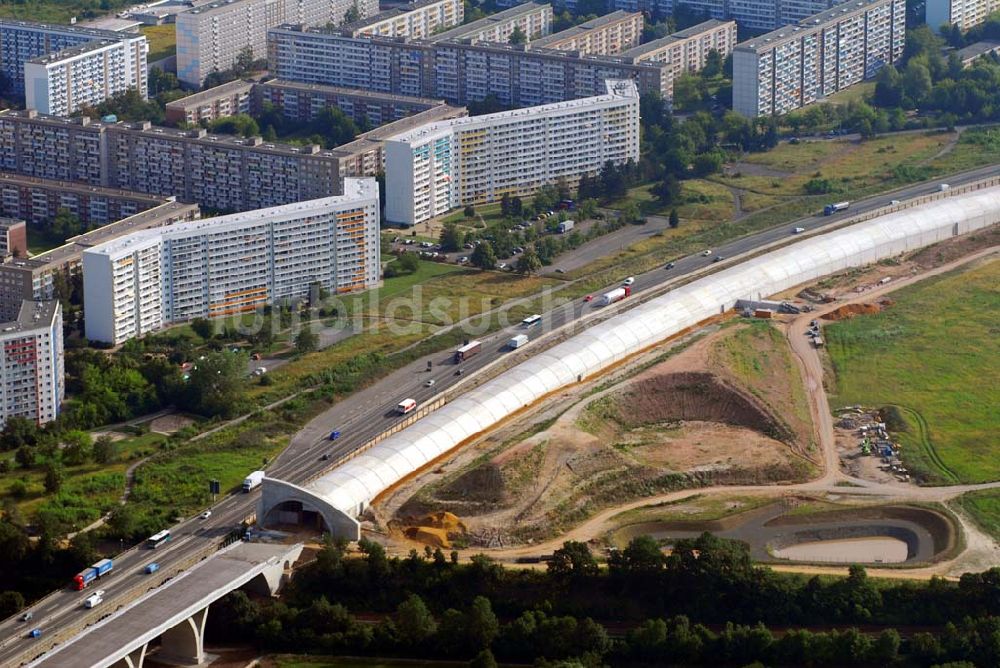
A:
x,y
831,209
85,577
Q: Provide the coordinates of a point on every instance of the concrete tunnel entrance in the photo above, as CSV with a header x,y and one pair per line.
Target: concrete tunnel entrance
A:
x,y
298,514
284,503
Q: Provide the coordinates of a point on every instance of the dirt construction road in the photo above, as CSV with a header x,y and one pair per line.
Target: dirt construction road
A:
x,y
981,551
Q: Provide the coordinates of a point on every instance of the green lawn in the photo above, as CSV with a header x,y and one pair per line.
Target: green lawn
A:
x,y
935,354
426,271
162,41
985,509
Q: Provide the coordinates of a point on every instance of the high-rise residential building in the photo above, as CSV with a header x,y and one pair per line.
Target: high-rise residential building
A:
x,y
227,99
796,65
750,14
303,101
223,173
233,264
687,50
962,13
66,81
531,18
32,384
61,68
34,278
437,167
458,71
38,201
419,19
211,37
606,35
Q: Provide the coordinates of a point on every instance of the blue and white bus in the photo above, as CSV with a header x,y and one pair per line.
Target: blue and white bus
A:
x,y
531,321
158,539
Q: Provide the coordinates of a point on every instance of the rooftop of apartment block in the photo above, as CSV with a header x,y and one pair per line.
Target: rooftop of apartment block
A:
x,y
74,247
617,89
74,51
687,33
373,139
822,19
7,223
586,27
229,88
57,27
355,190
146,128
114,24
218,5
32,315
974,51
463,31
394,12
79,189
529,49
373,96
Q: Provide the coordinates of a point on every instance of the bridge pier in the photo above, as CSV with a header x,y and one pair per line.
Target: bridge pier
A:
x,y
133,659
185,642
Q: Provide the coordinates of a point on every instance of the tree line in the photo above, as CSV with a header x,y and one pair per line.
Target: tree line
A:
x,y
706,603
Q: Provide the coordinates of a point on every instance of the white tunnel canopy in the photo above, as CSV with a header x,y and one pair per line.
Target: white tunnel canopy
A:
x,y
352,486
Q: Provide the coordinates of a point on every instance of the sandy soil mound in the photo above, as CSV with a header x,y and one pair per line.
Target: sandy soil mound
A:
x,y
436,529
851,310
693,396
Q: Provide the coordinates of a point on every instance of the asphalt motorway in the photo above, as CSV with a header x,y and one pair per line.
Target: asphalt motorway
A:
x,y
367,413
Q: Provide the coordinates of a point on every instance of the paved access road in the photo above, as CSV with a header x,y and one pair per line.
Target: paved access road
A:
x,y
370,412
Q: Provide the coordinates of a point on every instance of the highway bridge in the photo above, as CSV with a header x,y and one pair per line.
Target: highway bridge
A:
x,y
367,415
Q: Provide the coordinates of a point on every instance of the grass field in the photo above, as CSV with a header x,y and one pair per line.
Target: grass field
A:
x,y
984,507
694,508
935,354
162,41
88,490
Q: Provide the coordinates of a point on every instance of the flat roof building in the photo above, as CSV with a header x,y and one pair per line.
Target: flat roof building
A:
x,y
13,239
32,381
210,37
219,172
532,18
220,101
303,101
38,201
61,68
797,65
606,35
434,168
34,278
232,264
419,19
970,54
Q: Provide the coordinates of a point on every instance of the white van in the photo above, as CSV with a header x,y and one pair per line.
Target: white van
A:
x,y
94,599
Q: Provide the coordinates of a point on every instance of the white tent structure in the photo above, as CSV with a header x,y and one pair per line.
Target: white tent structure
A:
x,y
350,487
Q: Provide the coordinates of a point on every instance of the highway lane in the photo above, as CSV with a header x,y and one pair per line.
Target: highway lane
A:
x,y
370,412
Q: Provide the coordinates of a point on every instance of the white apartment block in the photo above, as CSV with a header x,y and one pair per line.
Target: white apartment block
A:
x,y
440,166
751,14
419,20
794,66
232,264
210,37
687,50
60,68
606,35
531,18
962,13
31,363
84,76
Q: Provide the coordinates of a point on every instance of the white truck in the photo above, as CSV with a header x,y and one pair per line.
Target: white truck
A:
x,y
94,599
565,226
615,295
517,341
252,481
